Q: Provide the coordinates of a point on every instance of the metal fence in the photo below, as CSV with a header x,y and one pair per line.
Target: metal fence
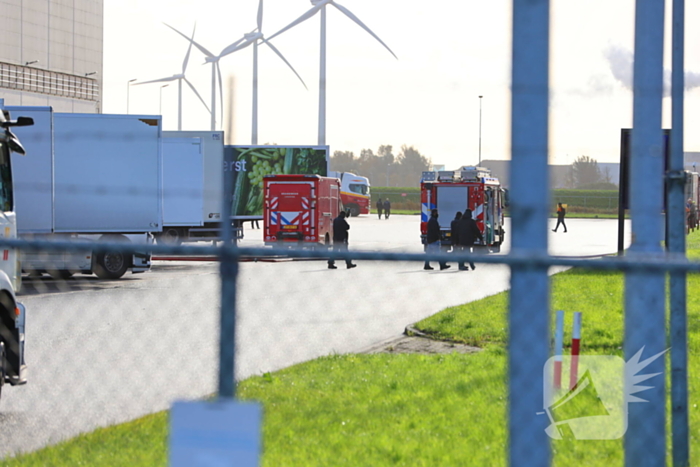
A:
x,y
108,352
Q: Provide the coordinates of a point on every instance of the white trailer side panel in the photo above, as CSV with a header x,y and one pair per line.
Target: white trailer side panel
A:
x,y
182,182
33,173
213,163
107,173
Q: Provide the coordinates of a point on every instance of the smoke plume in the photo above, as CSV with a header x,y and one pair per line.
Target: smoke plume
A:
x,y
621,62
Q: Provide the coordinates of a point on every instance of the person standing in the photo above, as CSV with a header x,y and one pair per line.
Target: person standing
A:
x,y
432,240
561,212
387,208
380,206
454,232
468,233
340,239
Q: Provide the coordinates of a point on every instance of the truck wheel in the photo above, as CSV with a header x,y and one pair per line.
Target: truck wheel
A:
x,y
354,210
112,265
169,236
61,274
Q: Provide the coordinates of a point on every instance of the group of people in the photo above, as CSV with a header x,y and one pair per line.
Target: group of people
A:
x,y
463,234
383,206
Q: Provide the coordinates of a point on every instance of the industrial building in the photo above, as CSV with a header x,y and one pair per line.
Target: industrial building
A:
x,y
51,53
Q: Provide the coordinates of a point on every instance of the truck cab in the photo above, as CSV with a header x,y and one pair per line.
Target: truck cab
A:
x,y
12,313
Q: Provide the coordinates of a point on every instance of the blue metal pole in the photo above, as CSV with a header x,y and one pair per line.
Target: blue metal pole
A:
x,y
529,314
676,244
645,440
229,273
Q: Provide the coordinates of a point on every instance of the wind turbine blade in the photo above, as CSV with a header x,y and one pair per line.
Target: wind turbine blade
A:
x,y
189,49
300,19
260,15
235,48
349,14
221,94
195,91
200,47
161,80
279,54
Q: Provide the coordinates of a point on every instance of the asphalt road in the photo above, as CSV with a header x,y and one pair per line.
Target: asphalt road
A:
x,y
103,352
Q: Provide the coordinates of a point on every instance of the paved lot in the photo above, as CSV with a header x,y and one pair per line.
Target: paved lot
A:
x,y
105,352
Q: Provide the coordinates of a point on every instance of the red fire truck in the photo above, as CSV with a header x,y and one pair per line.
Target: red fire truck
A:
x,y
299,209
467,188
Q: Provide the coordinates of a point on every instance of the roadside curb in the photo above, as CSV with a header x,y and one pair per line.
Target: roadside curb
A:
x,y
415,341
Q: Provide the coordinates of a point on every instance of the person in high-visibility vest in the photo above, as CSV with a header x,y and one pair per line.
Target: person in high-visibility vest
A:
x,y
561,212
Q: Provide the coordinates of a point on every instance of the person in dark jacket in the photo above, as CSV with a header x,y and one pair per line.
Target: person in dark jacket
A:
x,y
468,233
340,239
454,232
380,206
387,208
432,240
561,212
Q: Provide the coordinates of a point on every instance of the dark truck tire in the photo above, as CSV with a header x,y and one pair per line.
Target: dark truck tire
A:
x,y
112,265
354,210
170,236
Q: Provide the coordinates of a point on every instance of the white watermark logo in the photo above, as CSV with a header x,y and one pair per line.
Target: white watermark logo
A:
x,y
594,405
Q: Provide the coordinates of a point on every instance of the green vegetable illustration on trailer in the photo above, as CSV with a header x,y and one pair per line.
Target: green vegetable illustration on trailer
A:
x,y
249,164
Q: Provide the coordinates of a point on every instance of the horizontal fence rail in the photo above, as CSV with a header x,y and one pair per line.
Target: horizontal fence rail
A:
x,y
669,262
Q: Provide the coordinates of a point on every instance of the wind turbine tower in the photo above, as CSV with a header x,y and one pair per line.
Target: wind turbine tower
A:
x,y
320,6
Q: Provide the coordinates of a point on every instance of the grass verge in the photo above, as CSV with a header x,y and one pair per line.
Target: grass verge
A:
x,y
418,410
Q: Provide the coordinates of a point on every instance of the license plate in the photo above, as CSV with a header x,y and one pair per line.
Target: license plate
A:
x,y
290,227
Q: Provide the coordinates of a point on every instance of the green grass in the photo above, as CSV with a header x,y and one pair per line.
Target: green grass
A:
x,y
141,442
422,410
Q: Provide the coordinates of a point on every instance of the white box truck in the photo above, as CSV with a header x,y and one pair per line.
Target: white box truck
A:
x,y
90,177
192,185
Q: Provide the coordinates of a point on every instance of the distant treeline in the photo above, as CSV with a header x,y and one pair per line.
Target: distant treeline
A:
x,y
384,168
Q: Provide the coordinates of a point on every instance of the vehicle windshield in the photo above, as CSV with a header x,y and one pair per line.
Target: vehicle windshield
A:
x,y
5,178
358,188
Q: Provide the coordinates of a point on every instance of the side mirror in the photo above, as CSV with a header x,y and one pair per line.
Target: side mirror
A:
x,y
24,121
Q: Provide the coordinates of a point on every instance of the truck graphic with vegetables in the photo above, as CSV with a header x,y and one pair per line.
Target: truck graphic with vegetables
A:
x,y
249,164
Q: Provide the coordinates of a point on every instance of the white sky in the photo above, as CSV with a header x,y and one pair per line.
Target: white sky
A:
x,y
449,53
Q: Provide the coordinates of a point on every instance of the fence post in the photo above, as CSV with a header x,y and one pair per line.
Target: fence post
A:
x,y
676,224
645,440
529,313
229,273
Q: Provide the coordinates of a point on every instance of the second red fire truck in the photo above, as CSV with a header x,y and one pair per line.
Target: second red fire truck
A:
x,y
467,188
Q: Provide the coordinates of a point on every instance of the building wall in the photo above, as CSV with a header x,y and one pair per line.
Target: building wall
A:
x,y
66,37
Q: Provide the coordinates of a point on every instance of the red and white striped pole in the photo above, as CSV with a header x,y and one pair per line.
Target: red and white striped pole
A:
x,y
558,348
575,349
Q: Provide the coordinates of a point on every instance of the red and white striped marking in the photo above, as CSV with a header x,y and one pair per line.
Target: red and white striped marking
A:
x,y
575,349
558,348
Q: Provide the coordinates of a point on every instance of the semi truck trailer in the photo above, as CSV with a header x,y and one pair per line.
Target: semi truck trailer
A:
x,y
88,177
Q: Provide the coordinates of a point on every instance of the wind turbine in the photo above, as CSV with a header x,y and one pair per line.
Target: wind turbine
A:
x,y
255,37
320,5
215,73
180,77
